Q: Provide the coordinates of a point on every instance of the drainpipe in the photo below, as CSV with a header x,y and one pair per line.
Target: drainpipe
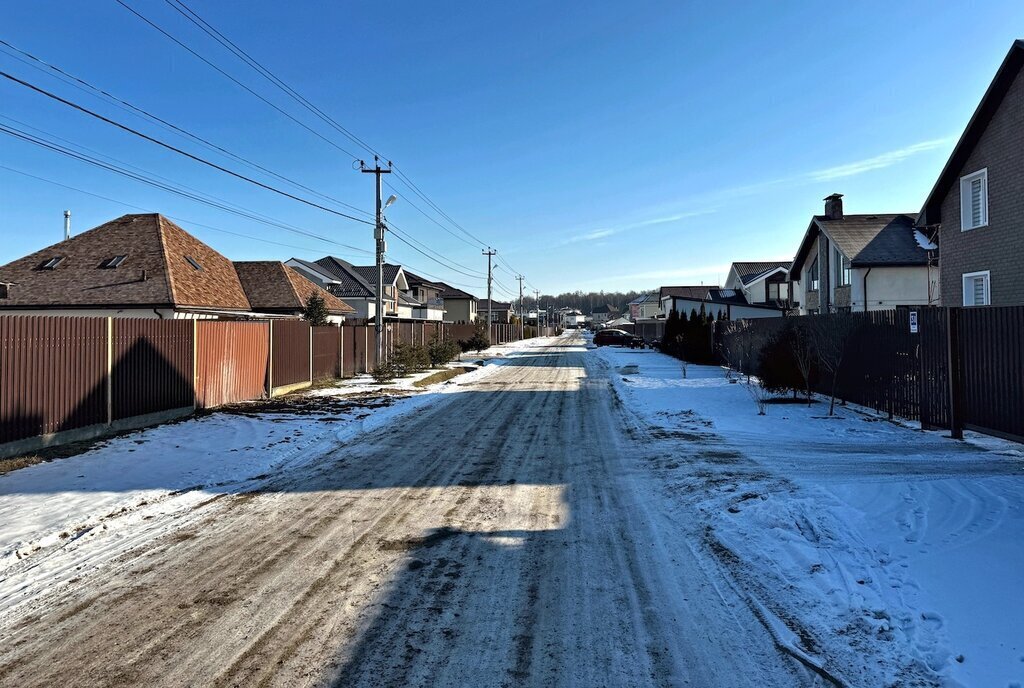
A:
x,y
868,272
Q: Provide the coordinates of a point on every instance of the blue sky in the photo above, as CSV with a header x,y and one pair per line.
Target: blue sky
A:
x,y
596,146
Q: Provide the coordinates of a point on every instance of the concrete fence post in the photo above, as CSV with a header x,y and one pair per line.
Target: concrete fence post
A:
x,y
110,370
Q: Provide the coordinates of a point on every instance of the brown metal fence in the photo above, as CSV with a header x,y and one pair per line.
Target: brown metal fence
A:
x,y
152,366
53,374
231,361
63,373
327,348
289,351
991,364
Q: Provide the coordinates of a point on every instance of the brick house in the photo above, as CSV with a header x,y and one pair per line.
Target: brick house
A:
x,y
977,204
863,263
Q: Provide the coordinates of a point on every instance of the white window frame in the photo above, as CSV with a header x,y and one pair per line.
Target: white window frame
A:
x,y
965,200
988,287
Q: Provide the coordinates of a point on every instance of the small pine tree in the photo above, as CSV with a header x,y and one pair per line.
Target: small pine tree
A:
x,y
480,340
315,311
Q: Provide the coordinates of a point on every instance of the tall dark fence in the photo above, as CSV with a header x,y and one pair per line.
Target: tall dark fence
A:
x,y
883,361
152,366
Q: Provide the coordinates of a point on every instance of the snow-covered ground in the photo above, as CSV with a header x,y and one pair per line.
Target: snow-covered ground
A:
x,y
62,520
888,555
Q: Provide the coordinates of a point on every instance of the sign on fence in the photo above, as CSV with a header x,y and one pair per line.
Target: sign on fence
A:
x,y
913,322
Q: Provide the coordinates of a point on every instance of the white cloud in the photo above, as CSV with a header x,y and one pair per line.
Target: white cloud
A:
x,y
877,162
611,231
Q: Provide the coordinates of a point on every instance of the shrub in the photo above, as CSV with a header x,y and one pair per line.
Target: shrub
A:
x,y
479,341
441,350
384,373
408,359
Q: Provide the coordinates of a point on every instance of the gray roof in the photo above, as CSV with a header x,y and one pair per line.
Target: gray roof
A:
x,y
867,240
604,308
645,298
481,305
726,296
369,272
415,280
751,271
450,292
351,283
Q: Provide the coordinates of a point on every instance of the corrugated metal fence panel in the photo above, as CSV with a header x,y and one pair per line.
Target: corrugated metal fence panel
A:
x,y
231,361
460,333
290,351
52,374
349,366
992,353
326,352
152,368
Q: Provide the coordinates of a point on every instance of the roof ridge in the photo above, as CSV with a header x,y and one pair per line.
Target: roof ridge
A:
x,y
171,295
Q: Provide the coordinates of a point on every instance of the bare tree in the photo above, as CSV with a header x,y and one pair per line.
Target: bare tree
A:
x,y
832,337
804,353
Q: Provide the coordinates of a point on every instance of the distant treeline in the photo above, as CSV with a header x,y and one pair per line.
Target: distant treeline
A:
x,y
586,301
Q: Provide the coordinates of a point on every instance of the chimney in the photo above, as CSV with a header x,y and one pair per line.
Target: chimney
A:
x,y
67,225
834,207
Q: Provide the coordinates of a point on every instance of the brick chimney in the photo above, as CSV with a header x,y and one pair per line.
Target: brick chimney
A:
x,y
834,207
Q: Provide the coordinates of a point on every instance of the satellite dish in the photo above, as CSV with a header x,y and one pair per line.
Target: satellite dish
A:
x,y
390,200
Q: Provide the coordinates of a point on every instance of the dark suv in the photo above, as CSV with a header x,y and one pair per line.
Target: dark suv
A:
x,y
613,338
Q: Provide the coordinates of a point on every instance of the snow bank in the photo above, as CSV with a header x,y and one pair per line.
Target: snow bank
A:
x,y
896,556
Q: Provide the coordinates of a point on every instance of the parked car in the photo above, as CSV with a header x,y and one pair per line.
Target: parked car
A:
x,y
611,337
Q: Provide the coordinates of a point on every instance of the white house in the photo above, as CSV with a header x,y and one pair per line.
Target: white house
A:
x,y
645,306
863,263
762,282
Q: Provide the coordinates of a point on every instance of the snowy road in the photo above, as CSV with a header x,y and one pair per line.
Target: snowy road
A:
x,y
503,535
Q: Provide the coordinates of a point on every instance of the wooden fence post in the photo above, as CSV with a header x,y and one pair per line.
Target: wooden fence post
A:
x,y
956,387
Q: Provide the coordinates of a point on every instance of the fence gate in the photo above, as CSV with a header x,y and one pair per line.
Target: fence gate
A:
x,y
231,361
992,369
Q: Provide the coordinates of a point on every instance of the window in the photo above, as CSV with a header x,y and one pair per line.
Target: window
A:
x,y
5,290
194,263
974,200
111,263
812,275
977,289
842,268
52,263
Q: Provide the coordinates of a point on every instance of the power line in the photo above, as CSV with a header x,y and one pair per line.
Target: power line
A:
x,y
209,30
239,83
177,150
219,37
86,87
63,150
305,249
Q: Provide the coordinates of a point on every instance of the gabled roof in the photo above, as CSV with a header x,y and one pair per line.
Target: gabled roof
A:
x,y
350,283
752,271
692,292
392,274
931,213
273,286
604,308
867,240
450,292
158,270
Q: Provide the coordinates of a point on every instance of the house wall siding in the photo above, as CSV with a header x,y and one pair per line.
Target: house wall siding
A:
x,y
997,247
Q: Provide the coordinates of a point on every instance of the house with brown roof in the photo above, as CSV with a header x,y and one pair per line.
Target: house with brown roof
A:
x,y
139,266
976,208
863,263
273,288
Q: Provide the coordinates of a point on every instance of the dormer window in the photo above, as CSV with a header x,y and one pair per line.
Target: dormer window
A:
x,y
52,263
194,263
111,263
5,290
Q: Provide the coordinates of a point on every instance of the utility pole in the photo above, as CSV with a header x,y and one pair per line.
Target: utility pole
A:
x,y
522,311
489,253
378,235
536,298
